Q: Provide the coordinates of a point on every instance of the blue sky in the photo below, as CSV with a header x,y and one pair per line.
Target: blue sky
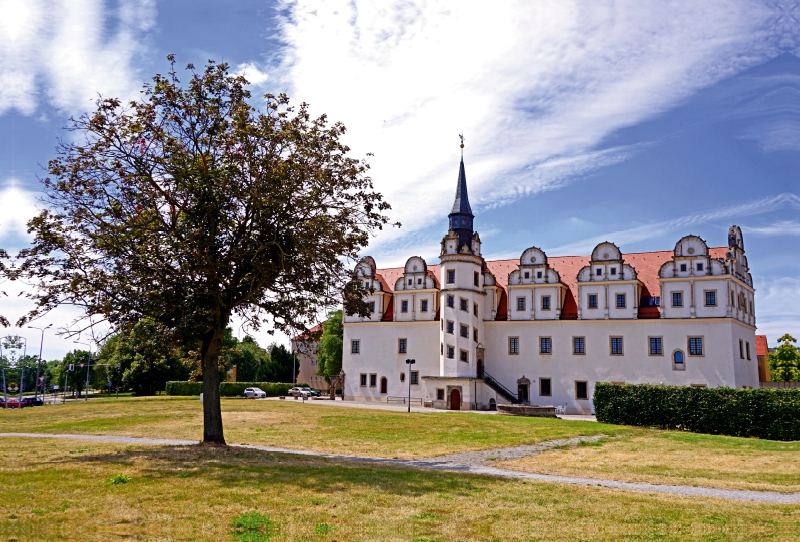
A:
x,y
633,121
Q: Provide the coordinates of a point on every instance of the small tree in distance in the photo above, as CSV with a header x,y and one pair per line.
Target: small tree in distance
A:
x,y
190,206
331,342
784,361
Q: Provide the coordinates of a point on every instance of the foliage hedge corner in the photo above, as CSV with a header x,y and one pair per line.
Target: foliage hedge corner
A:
x,y
763,413
228,389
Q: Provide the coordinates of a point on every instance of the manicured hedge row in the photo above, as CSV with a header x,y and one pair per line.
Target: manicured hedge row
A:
x,y
228,389
184,388
764,413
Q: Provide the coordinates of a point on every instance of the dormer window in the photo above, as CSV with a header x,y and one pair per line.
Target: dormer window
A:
x,y
613,270
599,272
683,267
527,274
700,267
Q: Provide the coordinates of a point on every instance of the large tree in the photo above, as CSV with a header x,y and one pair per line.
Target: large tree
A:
x,y
331,343
784,361
190,206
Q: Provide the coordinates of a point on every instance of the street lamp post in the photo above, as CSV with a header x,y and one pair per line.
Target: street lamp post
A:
x,y
22,369
409,362
88,365
3,360
39,364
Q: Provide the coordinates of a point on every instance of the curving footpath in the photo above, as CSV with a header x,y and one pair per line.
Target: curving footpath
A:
x,y
452,463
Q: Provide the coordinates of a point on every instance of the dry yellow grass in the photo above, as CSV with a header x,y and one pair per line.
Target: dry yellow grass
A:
x,y
292,424
60,490
671,457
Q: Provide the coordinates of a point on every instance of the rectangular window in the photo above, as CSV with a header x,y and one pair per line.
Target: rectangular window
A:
x,y
581,389
464,305
465,331
520,303
451,276
527,274
741,349
451,301
451,352
404,306
711,298
578,345
402,346
475,309
677,299
423,306
475,334
419,281
363,379
439,394
592,301
371,306
463,356
545,302
545,345
450,327
373,380
538,274
355,347
747,349
699,267
414,377
695,346
656,348
476,279
544,387
620,301
402,377
616,346
513,345
613,270
599,272
683,267
410,282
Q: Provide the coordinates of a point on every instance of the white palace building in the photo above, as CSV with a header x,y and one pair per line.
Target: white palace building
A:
x,y
543,330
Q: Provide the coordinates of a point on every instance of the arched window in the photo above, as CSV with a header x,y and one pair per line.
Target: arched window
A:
x,y
678,361
678,356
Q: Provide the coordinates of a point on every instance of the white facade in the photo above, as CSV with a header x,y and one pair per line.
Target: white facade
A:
x,y
545,330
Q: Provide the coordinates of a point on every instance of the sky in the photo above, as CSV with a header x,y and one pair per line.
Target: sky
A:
x,y
632,121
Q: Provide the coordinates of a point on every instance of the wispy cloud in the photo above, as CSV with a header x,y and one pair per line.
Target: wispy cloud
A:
x,y
65,52
782,227
681,224
536,87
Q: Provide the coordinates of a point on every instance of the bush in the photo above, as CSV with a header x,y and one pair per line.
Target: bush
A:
x,y
184,388
764,413
272,389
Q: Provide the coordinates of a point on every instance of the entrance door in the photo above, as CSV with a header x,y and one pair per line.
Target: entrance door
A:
x,y
455,400
383,384
522,393
480,368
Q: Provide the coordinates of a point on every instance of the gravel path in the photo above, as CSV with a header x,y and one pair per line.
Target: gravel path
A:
x,y
471,463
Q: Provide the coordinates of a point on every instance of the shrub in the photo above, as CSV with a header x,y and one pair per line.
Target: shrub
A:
x,y
184,388
272,389
764,413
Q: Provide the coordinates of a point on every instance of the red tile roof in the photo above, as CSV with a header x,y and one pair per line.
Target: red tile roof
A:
x,y
761,345
303,335
647,265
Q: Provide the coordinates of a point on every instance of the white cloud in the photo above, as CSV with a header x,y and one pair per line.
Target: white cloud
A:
x,y
782,227
17,206
776,307
682,224
535,87
252,73
62,51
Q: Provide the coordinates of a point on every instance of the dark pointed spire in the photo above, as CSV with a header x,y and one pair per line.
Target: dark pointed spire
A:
x,y
461,214
461,204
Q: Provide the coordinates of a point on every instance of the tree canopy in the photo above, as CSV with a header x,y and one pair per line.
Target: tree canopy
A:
x,y
331,342
784,361
190,206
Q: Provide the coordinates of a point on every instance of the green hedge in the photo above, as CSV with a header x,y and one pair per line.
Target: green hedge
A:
x,y
764,413
272,389
184,388
228,389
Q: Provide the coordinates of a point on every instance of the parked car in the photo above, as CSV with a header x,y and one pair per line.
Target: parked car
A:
x,y
31,401
254,393
297,391
312,392
11,403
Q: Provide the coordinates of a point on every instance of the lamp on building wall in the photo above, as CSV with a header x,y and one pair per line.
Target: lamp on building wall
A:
x,y
409,362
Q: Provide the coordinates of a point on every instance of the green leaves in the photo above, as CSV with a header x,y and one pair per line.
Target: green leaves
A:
x,y
784,361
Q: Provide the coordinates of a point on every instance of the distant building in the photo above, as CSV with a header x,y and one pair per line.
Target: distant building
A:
x,y
544,330
762,349
306,353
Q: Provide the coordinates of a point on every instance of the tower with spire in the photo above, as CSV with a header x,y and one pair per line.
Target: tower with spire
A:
x,y
463,300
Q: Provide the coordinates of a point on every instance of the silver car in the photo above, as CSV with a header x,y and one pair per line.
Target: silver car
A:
x,y
254,393
297,391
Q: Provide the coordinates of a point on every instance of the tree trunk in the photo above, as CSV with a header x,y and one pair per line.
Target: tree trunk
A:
x,y
212,411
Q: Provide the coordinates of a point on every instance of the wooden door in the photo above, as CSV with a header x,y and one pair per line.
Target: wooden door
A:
x,y
455,400
383,384
480,368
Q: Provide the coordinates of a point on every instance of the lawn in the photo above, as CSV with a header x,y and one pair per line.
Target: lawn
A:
x,y
676,458
63,490
292,424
